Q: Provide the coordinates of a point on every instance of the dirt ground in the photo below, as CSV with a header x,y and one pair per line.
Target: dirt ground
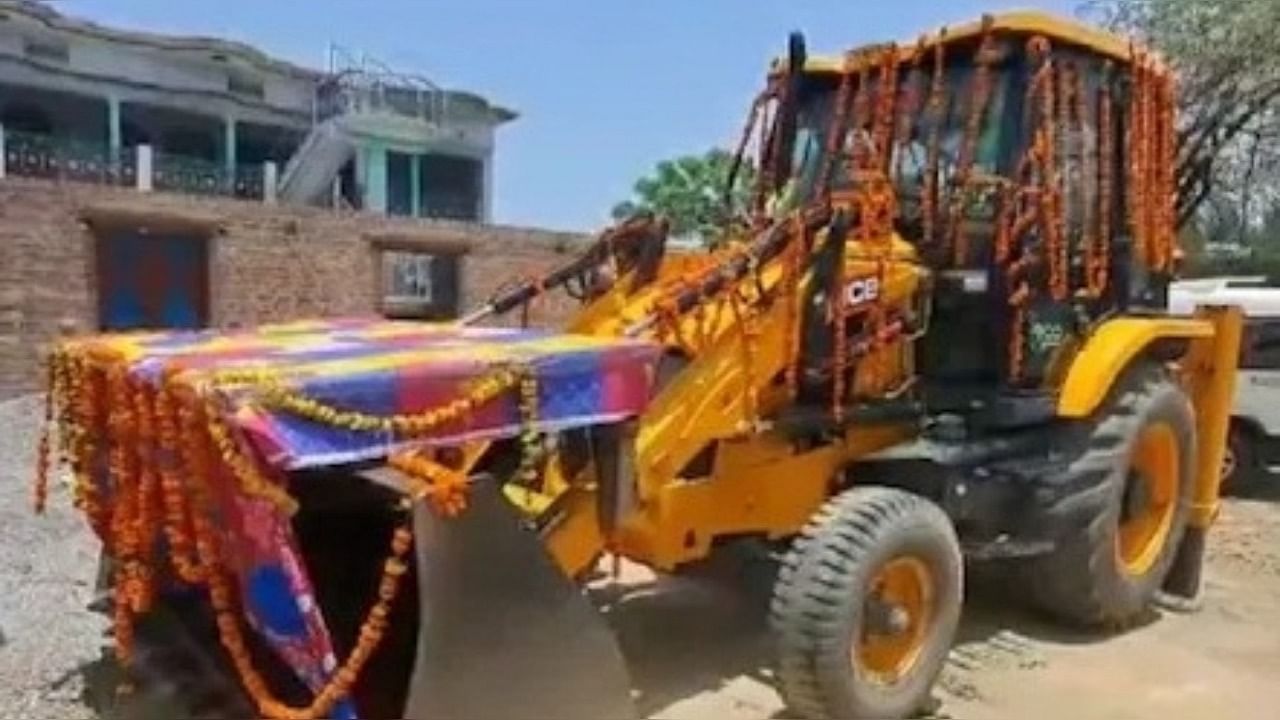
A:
x,y
696,645
697,649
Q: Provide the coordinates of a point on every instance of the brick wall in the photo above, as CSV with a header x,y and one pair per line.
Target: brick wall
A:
x,y
265,263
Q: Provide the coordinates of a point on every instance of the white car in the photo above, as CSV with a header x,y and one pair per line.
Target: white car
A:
x,y
1254,443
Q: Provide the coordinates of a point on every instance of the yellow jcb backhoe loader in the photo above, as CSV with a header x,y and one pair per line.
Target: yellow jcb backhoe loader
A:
x,y
937,334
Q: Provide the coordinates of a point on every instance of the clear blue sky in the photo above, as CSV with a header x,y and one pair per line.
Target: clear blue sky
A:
x,y
605,88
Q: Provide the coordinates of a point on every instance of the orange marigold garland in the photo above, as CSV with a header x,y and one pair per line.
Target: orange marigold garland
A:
x,y
125,482
911,103
177,524
88,397
243,467
228,615
1138,134
146,519
1166,160
840,327
275,395
883,122
1030,203
979,98
434,482
936,114
1106,173
859,154
530,441
126,591
835,133
45,450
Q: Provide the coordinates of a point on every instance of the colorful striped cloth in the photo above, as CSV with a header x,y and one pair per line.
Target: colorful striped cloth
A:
x,y
383,367
376,367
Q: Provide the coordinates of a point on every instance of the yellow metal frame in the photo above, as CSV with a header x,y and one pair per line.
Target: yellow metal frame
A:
x,y
1210,369
1053,27
759,482
1110,349
760,485
1157,463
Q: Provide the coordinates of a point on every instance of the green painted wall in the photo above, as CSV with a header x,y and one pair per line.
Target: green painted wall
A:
x,y
229,145
375,176
415,183
113,125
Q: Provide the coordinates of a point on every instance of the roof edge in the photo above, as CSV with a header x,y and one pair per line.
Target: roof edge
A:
x,y
55,20
1031,22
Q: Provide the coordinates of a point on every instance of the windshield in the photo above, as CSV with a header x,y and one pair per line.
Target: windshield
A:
x,y
910,160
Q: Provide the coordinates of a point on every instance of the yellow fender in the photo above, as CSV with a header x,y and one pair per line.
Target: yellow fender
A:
x,y
1110,349
1210,370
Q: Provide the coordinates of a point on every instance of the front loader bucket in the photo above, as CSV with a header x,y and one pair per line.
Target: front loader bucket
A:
x,y
503,633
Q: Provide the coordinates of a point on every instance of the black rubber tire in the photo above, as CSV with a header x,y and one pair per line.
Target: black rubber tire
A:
x,y
819,598
1242,444
1081,581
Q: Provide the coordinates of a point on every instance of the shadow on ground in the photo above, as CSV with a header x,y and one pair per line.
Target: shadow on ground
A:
x,y
1261,485
688,637
683,635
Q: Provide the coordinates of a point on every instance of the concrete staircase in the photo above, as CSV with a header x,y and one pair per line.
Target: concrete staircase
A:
x,y
308,177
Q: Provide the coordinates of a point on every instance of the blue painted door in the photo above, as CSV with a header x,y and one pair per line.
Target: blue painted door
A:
x,y
152,281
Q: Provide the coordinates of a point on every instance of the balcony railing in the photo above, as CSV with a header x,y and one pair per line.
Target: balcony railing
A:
x,y
184,174
249,182
363,84
45,156
50,157
451,207
145,168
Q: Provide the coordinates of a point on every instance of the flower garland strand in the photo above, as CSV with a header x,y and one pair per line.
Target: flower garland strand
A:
x,y
273,394
126,481
146,520
126,593
245,469
443,487
935,111
980,91
530,440
231,635
178,522
1106,169
45,449
87,389
883,123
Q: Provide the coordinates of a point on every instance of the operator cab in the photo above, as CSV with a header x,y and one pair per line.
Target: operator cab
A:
x,y
1004,143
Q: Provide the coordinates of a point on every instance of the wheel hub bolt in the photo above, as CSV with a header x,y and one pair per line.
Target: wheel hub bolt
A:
x,y
899,620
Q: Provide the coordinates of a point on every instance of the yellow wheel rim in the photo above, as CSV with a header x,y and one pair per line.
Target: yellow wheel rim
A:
x,y
895,622
1150,499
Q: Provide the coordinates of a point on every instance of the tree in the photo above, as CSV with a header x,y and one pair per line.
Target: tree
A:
x,y
689,191
1227,57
